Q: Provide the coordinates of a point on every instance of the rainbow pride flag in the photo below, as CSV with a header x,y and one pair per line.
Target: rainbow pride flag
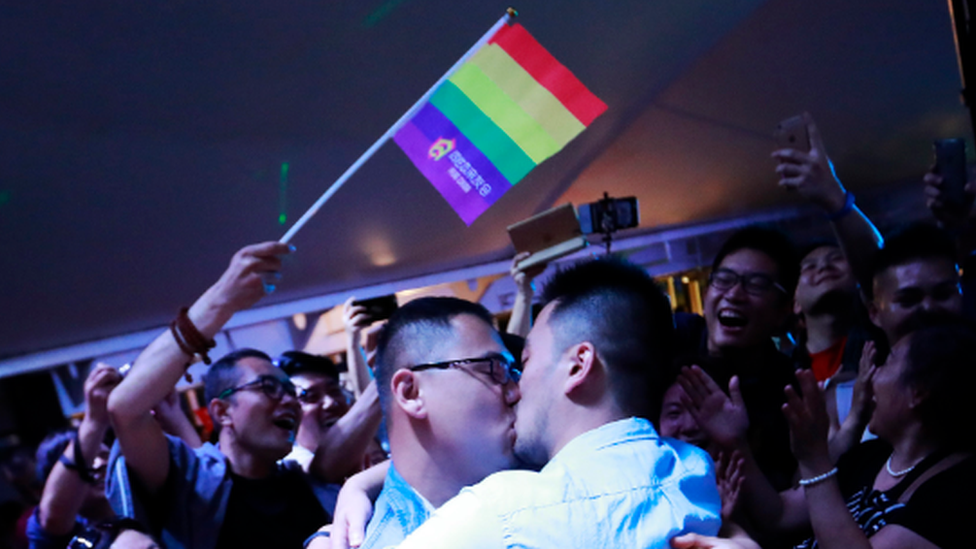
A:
x,y
505,111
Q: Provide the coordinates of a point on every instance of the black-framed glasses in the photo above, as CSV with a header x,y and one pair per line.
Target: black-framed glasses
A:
x,y
498,368
273,387
753,283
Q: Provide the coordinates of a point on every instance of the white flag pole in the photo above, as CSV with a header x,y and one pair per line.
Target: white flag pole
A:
x,y
509,15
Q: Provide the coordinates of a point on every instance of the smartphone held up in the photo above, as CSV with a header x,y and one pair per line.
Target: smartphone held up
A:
x,y
950,164
792,134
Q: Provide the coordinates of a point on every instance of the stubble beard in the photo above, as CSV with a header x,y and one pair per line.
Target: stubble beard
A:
x,y
529,448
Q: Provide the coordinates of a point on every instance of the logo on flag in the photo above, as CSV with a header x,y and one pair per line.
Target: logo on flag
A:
x,y
440,148
506,110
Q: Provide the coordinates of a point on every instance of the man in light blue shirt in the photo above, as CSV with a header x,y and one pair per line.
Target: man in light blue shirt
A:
x,y
595,363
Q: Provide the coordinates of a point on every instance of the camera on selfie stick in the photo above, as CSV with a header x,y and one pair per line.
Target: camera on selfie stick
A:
x,y
608,216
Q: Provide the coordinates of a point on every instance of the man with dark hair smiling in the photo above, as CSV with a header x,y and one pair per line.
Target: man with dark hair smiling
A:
x,y
914,273
748,298
836,328
235,496
592,364
826,299
328,419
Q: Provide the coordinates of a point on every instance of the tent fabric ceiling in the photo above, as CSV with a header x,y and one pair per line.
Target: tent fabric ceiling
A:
x,y
141,144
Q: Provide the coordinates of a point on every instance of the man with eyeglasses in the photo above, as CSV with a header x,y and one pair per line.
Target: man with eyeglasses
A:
x,y
749,296
447,386
236,494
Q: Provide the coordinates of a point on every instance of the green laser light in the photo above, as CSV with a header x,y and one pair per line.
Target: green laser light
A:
x,y
282,194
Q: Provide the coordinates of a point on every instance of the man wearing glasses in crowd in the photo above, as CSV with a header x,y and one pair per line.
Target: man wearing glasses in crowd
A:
x,y
236,494
447,390
749,296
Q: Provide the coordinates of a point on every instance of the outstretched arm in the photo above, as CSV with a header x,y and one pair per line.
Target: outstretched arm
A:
x,y
354,509
341,447
158,368
521,321
355,319
812,175
960,220
65,490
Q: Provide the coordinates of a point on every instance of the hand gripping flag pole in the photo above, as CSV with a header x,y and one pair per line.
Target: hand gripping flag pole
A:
x,y
510,14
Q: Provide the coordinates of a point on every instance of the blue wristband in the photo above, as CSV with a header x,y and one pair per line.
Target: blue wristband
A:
x,y
847,208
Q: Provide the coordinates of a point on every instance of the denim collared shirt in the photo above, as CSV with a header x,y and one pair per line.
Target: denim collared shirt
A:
x,y
398,511
619,485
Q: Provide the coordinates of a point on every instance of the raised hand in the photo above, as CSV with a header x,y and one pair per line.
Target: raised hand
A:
x,y
253,273
811,173
99,384
723,418
354,317
353,511
523,278
947,215
729,477
861,402
521,319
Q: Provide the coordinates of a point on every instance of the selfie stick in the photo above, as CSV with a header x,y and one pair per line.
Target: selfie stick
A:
x,y
510,14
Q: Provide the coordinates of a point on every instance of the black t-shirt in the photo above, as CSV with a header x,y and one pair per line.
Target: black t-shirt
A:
x,y
939,510
279,511
761,381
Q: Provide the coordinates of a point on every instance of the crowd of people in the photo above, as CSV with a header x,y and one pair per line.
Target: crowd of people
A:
x,y
604,421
